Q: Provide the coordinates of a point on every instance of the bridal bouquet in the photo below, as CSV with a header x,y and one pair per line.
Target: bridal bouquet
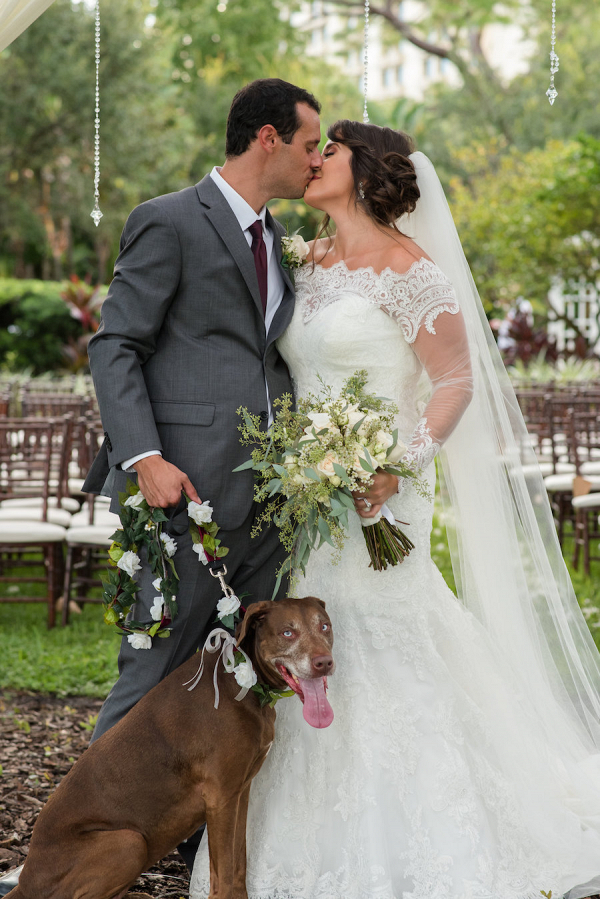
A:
x,y
310,460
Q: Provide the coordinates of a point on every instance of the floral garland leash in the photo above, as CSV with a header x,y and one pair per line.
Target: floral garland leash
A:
x,y
141,525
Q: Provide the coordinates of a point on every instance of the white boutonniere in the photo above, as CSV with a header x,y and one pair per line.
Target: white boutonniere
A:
x,y
294,251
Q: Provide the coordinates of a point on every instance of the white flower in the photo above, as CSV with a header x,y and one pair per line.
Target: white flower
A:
x,y
157,584
201,513
129,563
140,641
295,248
325,466
382,441
202,557
170,545
245,674
157,608
320,420
135,500
397,453
227,605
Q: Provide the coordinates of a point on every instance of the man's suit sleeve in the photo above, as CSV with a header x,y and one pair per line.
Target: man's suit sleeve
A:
x,y
146,277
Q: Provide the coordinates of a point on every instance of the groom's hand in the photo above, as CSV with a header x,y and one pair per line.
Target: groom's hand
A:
x,y
162,483
384,485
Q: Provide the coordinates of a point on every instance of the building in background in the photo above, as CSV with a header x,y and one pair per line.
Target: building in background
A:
x,y
396,67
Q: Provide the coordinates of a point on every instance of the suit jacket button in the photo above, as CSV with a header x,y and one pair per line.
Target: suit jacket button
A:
x,y
264,416
108,443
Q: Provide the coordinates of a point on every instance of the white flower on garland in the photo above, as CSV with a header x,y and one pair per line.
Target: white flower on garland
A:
x,y
129,563
201,513
245,674
135,500
228,605
157,584
157,608
202,557
170,545
140,641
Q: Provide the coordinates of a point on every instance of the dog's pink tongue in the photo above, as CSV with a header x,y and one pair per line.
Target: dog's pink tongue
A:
x,y
316,709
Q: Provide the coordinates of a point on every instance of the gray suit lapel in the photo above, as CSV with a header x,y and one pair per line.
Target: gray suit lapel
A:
x,y
283,316
227,226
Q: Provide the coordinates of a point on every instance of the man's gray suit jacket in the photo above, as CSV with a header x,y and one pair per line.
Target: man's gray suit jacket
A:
x,y
182,345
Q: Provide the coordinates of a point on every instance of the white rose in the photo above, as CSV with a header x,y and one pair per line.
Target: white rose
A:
x,y
297,247
135,500
382,441
202,557
129,563
325,466
157,608
354,416
245,674
170,545
227,605
201,513
157,584
320,420
140,641
397,453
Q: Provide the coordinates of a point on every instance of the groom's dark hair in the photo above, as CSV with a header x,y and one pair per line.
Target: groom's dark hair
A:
x,y
268,101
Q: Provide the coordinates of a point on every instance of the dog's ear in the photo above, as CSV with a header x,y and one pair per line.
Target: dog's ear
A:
x,y
254,613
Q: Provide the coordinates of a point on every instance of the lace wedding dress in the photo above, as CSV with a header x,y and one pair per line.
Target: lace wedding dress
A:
x,y
433,781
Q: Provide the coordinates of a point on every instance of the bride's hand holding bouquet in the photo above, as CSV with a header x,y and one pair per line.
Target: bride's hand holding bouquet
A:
x,y
311,464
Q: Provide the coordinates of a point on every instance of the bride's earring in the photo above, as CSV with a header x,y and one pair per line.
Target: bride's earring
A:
x,y
361,192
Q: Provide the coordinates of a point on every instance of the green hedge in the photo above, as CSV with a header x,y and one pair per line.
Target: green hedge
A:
x,y
34,324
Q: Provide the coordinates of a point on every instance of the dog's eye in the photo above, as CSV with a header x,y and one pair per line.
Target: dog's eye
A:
x,y
288,633
324,626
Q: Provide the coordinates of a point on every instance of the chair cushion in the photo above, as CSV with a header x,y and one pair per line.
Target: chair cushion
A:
x,y
93,534
563,483
589,501
31,513
32,532
67,502
101,516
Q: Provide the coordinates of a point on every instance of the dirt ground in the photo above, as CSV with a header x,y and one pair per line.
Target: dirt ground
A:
x,y
41,737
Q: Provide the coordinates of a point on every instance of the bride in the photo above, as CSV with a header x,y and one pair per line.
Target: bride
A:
x,y
464,758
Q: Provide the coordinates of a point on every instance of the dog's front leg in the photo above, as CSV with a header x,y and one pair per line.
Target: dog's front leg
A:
x,y
222,825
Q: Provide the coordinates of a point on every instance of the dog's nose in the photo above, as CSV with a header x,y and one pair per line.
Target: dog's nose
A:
x,y
322,664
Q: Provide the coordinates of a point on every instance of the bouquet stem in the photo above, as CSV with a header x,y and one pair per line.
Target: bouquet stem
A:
x,y
386,544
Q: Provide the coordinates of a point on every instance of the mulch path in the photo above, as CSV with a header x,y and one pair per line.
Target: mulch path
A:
x,y
41,736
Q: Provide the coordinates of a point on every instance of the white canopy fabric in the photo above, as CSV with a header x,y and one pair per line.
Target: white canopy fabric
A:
x,y
17,15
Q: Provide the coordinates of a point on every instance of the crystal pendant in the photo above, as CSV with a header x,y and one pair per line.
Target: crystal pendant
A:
x,y
97,215
551,93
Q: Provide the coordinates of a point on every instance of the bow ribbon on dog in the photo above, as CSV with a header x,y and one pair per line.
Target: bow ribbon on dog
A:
x,y
227,655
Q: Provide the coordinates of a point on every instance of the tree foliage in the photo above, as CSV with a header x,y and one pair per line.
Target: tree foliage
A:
x,y
528,218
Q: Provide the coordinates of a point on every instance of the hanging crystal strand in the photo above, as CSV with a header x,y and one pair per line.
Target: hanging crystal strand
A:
x,y
366,63
95,213
552,93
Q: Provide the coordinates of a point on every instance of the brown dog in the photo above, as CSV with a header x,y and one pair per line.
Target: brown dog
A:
x,y
175,762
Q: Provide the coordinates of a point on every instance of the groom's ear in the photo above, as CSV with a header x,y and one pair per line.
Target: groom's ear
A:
x,y
254,613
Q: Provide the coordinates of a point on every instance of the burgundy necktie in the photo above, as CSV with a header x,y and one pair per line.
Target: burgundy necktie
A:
x,y
259,251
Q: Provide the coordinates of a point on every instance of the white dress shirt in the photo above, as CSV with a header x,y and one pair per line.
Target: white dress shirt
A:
x,y
246,217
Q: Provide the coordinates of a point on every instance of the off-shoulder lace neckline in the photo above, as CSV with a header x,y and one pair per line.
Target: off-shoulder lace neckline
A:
x,y
388,270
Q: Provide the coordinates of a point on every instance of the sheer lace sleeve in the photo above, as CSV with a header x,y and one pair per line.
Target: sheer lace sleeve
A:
x,y
440,343
445,357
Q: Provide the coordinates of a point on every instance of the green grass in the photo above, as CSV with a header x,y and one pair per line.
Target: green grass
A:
x,y
81,659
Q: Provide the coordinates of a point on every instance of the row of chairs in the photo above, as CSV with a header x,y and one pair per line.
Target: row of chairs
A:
x,y
43,509
564,426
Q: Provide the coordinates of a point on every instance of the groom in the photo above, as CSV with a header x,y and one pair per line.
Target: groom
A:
x,y
187,336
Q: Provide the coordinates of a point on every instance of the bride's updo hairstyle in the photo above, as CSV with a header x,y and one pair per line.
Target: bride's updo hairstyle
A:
x,y
385,181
